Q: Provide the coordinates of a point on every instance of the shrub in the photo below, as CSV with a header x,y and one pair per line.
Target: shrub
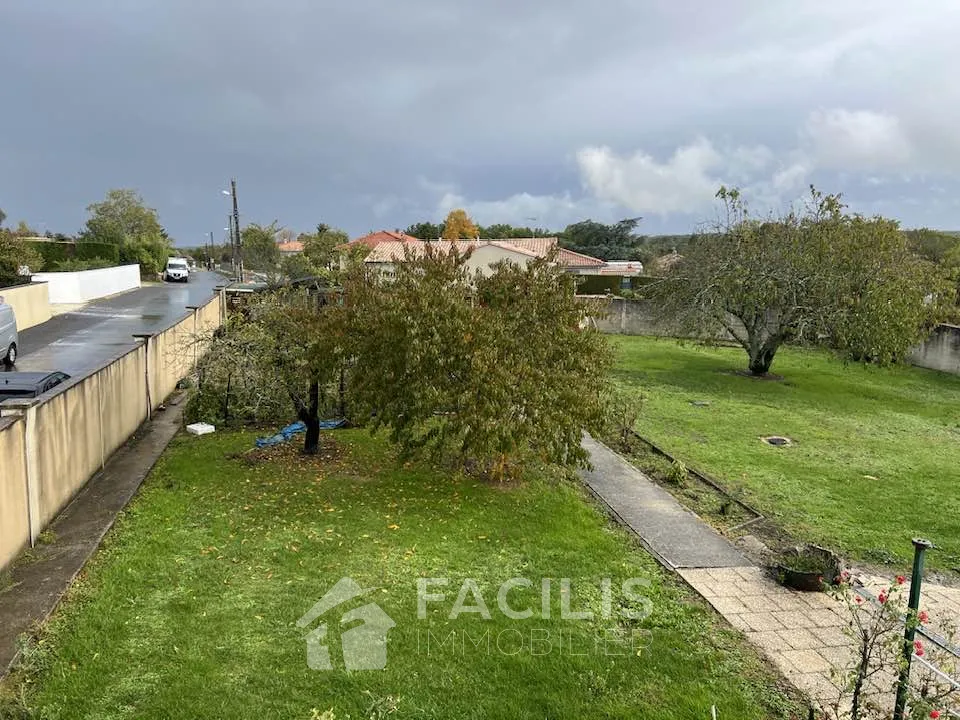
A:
x,y
14,255
678,473
98,251
75,265
51,252
623,409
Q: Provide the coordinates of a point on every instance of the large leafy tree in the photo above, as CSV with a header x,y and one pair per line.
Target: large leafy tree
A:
x,y
933,245
943,249
425,230
260,251
458,225
123,219
482,369
607,242
322,248
504,231
814,274
306,354
321,256
281,358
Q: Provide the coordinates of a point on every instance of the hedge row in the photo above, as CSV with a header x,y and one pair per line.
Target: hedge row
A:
x,y
55,253
51,252
98,251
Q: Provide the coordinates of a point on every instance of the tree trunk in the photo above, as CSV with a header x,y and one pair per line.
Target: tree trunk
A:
x,y
311,418
761,359
764,333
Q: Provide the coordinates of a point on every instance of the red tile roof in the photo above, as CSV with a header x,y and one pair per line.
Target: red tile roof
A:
x,y
381,236
569,258
391,251
291,246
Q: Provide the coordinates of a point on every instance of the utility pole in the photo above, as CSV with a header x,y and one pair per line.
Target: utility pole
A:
x,y
210,259
237,254
233,243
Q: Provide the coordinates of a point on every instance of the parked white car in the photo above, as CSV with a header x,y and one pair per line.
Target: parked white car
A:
x,y
9,339
176,270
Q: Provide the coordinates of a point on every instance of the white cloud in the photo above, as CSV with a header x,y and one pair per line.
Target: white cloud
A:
x,y
856,140
831,145
524,209
684,183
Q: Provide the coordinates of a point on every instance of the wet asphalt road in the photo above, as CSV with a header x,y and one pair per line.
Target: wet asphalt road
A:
x,y
81,341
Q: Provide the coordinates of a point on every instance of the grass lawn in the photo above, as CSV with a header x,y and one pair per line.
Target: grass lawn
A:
x,y
190,608
876,459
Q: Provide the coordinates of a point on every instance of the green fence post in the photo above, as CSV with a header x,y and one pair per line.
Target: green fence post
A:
x,y
913,603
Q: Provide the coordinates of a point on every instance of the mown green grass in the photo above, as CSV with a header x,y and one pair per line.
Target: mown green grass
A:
x,y
876,459
190,608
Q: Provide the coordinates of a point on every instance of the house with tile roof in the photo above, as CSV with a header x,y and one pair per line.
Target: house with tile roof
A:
x,y
387,248
290,247
391,248
381,236
484,254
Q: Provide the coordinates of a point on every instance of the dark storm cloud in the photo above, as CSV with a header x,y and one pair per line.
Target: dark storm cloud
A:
x,y
375,113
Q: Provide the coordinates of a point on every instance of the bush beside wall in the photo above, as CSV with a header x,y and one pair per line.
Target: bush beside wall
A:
x,y
98,251
52,252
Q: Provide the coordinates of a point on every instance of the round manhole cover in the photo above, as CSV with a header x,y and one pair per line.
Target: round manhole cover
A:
x,y
777,441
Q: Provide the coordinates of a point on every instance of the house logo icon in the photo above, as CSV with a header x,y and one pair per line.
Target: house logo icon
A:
x,y
364,645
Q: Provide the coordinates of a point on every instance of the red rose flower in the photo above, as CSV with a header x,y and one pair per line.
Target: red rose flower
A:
x,y
918,648
882,598
859,600
901,579
934,714
923,617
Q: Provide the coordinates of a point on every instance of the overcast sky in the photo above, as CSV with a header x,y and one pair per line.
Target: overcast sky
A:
x,y
378,113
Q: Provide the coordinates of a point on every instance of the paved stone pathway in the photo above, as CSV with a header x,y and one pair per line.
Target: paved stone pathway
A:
x,y
673,534
801,633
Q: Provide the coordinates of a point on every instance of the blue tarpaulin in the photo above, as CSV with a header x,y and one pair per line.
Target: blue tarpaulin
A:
x,y
298,427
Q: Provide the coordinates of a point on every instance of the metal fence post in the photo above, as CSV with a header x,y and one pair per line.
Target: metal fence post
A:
x,y
920,546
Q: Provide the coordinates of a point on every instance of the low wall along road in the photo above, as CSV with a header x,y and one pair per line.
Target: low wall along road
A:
x,y
87,285
30,303
52,445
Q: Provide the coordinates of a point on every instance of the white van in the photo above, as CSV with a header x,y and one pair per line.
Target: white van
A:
x,y
9,340
176,270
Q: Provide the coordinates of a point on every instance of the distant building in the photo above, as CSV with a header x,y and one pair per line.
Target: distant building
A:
x,y
290,247
388,248
381,236
485,253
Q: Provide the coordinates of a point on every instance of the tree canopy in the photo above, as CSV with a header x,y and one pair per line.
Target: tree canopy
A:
x,y
458,225
425,230
487,369
123,219
815,274
480,371
259,244
321,254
